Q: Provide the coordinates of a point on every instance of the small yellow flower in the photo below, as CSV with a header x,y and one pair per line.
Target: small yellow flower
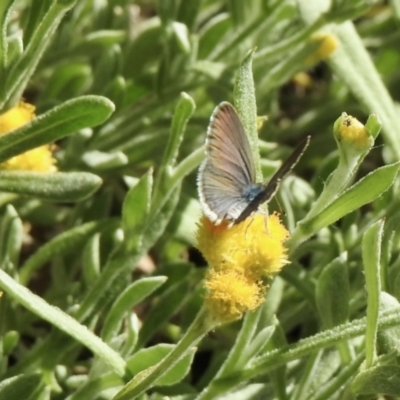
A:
x,y
254,247
39,159
351,132
230,294
303,80
327,45
239,258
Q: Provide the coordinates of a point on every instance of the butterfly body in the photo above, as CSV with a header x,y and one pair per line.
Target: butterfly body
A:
x,y
227,179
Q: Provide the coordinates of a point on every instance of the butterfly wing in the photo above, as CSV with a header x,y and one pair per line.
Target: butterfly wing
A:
x,y
272,186
228,168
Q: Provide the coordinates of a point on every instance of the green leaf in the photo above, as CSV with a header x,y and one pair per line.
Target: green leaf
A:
x,y
58,186
70,241
10,341
23,69
67,81
212,33
333,293
93,387
160,218
62,321
135,211
168,304
91,260
245,103
61,121
11,236
371,254
388,339
383,380
188,11
27,387
103,161
130,297
5,6
150,356
182,36
183,111
106,37
361,193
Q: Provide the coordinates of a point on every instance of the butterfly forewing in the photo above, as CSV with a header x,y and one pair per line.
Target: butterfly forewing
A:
x,y
228,168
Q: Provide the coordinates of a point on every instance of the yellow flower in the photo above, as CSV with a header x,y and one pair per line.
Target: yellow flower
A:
x,y
253,247
239,258
230,294
39,159
348,130
327,45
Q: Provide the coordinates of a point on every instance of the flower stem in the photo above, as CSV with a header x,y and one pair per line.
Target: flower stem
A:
x,y
202,324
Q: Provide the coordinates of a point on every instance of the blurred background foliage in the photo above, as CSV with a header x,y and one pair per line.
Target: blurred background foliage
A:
x,y
314,60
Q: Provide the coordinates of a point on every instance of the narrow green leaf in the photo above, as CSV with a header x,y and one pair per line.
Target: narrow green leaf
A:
x,y
63,120
255,346
245,336
166,10
92,388
382,380
336,383
70,241
361,193
160,217
135,211
91,260
62,321
212,33
24,386
181,33
130,297
106,37
146,358
333,293
4,10
183,111
22,71
68,81
103,161
371,254
168,304
58,186
10,341
388,339
188,11
11,233
245,103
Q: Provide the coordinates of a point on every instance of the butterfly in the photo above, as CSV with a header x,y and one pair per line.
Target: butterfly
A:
x,y
226,180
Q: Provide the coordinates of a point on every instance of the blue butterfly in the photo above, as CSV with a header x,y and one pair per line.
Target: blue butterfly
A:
x,y
227,179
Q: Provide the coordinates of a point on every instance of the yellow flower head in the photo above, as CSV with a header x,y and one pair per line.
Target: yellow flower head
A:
x,y
230,294
327,45
239,258
351,132
254,247
39,159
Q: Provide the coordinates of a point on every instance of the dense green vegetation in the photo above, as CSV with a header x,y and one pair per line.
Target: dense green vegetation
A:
x,y
100,275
